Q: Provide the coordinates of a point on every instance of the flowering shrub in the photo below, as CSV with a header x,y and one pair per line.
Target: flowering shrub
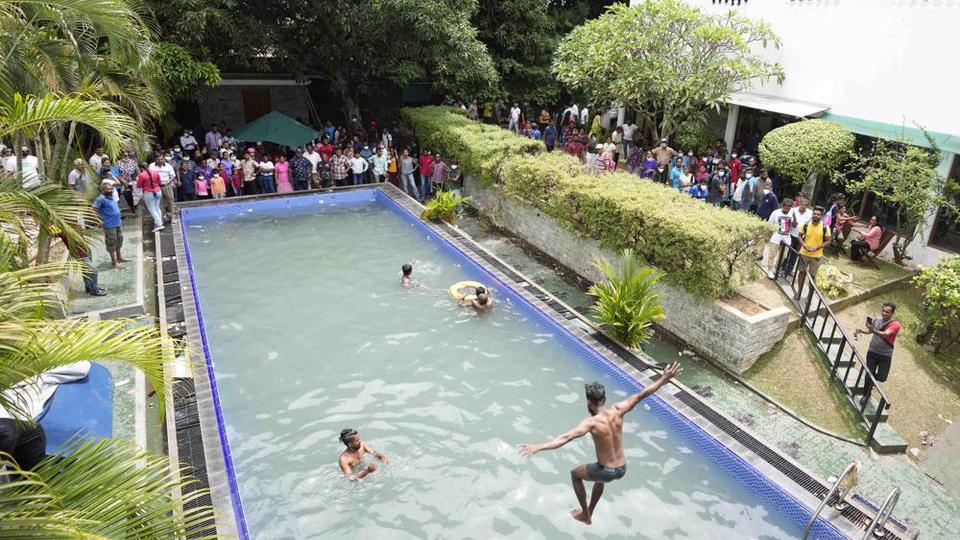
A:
x,y
832,282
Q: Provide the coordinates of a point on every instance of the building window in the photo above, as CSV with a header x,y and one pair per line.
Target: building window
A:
x,y
945,233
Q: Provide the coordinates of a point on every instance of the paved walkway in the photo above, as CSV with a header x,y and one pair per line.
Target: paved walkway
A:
x,y
124,288
923,503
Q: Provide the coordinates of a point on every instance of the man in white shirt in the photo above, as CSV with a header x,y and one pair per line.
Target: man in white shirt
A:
x,y
514,118
77,178
799,216
168,178
96,161
628,130
31,173
358,166
213,138
9,161
313,157
574,114
380,162
188,142
780,238
585,117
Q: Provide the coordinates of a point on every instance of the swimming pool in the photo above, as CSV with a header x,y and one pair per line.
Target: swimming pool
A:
x,y
307,331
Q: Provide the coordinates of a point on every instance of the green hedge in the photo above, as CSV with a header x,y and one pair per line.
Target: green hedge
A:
x,y
480,148
699,247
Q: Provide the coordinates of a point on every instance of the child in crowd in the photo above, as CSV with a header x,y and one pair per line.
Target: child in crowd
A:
x,y
218,188
202,187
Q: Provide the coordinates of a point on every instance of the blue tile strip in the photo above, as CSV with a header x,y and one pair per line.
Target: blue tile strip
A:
x,y
788,507
221,425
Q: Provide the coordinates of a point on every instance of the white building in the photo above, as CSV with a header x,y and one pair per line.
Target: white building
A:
x,y
878,67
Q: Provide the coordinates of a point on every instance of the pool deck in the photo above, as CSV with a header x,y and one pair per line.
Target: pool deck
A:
x,y
781,469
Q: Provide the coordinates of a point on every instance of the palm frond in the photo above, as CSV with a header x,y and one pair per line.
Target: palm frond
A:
x,y
28,114
103,489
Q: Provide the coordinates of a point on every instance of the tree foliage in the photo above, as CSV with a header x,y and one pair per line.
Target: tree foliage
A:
x,y
184,75
940,304
665,59
627,303
811,146
905,178
358,46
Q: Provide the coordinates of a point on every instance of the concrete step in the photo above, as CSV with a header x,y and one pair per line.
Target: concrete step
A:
x,y
870,409
886,440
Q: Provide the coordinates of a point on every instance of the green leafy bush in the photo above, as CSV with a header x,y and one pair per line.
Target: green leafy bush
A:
x,y
701,248
940,304
480,148
809,146
832,282
445,205
627,303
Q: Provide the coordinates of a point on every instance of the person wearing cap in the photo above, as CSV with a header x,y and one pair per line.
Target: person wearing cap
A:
x,y
109,211
663,153
302,170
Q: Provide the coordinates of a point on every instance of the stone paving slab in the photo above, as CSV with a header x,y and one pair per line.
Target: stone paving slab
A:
x,y
124,286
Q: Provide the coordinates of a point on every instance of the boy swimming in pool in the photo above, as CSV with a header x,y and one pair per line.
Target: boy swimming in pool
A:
x,y
406,280
482,300
353,455
606,427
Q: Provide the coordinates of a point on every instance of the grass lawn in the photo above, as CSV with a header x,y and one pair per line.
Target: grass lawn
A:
x,y
793,374
865,276
924,388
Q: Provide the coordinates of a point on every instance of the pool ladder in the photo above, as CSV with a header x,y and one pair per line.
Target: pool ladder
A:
x,y
842,488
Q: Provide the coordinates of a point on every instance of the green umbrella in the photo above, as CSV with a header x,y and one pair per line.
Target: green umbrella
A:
x,y
276,128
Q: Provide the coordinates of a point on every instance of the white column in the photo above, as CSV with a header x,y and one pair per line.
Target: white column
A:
x,y
733,114
621,113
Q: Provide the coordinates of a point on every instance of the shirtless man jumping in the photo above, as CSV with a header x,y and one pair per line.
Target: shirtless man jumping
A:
x,y
353,455
606,427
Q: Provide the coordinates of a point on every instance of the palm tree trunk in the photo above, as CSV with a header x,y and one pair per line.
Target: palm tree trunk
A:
x,y
65,160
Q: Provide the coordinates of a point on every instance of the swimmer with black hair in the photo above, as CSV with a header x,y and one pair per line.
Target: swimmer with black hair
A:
x,y
482,300
606,427
406,280
353,455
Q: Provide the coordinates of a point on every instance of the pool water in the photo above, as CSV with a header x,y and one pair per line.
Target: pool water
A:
x,y
310,332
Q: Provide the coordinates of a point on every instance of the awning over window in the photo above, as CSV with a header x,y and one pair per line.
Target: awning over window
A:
x,y
790,107
906,132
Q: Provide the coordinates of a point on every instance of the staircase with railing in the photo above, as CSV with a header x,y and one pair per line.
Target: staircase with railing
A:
x,y
847,367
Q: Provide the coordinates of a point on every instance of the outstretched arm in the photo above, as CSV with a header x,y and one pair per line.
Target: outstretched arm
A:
x,y
378,455
582,429
628,404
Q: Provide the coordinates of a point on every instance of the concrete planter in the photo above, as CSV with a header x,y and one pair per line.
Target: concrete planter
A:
x,y
715,330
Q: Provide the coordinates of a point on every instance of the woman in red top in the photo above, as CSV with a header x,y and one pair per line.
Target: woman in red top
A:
x,y
149,182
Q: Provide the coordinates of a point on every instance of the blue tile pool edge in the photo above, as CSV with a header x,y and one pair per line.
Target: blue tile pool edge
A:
x,y
689,429
241,523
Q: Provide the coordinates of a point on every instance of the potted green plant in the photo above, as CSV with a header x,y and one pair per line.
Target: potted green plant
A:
x,y
627,304
446,206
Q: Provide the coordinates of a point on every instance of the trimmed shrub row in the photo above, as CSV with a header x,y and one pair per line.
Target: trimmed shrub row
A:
x,y
480,148
699,247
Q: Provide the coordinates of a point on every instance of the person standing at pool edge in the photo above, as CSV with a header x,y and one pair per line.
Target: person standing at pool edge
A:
x,y
606,428
353,455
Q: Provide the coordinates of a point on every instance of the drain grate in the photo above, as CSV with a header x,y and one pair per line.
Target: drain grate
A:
x,y
772,457
190,448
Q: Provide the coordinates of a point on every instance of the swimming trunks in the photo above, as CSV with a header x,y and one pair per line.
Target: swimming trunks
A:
x,y
598,473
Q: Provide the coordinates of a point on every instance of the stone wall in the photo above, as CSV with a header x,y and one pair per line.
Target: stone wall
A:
x,y
224,104
715,330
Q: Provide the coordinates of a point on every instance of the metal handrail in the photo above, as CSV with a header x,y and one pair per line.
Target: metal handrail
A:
x,y
880,520
855,353
854,465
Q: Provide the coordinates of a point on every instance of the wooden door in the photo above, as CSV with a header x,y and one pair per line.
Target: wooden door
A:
x,y
256,103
